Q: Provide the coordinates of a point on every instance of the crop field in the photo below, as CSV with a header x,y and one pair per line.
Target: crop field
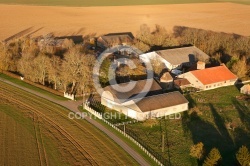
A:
x,y
25,20
34,131
113,3
217,118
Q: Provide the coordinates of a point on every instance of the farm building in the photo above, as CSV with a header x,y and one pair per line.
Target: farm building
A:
x,y
210,78
166,81
245,89
51,41
154,104
178,57
181,83
113,39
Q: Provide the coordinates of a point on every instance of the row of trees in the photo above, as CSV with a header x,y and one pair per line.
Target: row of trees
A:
x,y
231,49
71,65
214,157
71,69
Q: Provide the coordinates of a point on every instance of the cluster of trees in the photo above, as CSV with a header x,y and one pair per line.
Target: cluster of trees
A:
x,y
147,40
214,157
68,68
133,70
231,49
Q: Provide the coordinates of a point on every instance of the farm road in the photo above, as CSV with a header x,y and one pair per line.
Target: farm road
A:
x,y
73,106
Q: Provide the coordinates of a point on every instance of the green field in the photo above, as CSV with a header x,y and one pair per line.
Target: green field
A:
x,y
31,87
34,131
207,121
112,2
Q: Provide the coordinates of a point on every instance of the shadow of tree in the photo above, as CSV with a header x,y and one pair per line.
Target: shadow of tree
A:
x,y
244,113
192,103
202,131
19,34
211,134
242,134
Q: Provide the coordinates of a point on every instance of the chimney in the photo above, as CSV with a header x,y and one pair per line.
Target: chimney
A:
x,y
200,65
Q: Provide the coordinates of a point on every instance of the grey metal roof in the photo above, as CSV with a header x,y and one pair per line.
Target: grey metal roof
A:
x,y
159,101
178,56
139,88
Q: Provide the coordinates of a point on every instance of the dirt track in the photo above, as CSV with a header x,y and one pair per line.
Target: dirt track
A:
x,y
19,20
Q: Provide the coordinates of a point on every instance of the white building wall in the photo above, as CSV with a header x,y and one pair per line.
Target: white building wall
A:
x,y
220,84
144,115
192,79
170,110
197,84
153,55
162,112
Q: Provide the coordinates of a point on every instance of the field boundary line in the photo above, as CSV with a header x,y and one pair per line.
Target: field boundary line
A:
x,y
37,141
59,129
127,148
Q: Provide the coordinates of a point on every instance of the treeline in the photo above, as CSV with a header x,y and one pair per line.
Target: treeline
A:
x,y
231,49
68,68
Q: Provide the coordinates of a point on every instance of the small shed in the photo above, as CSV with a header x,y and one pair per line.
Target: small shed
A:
x,y
182,83
245,89
166,81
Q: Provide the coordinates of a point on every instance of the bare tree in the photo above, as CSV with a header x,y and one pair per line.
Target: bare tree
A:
x,y
71,66
157,65
41,63
86,73
144,34
240,67
141,46
54,70
3,58
25,65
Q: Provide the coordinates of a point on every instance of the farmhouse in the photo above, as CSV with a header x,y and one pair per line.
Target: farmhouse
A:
x,y
210,78
245,89
178,57
154,104
113,39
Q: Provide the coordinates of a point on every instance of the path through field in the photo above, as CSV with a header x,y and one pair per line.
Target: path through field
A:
x,y
20,20
94,150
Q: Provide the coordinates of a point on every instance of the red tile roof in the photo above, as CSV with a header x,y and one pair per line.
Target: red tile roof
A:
x,y
214,74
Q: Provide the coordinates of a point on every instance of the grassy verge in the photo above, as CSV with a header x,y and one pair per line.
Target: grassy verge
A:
x,y
31,87
126,140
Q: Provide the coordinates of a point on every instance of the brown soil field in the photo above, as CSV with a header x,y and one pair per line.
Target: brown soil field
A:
x,y
19,20
35,131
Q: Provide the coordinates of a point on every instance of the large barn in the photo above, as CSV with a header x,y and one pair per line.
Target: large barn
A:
x,y
151,103
177,57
